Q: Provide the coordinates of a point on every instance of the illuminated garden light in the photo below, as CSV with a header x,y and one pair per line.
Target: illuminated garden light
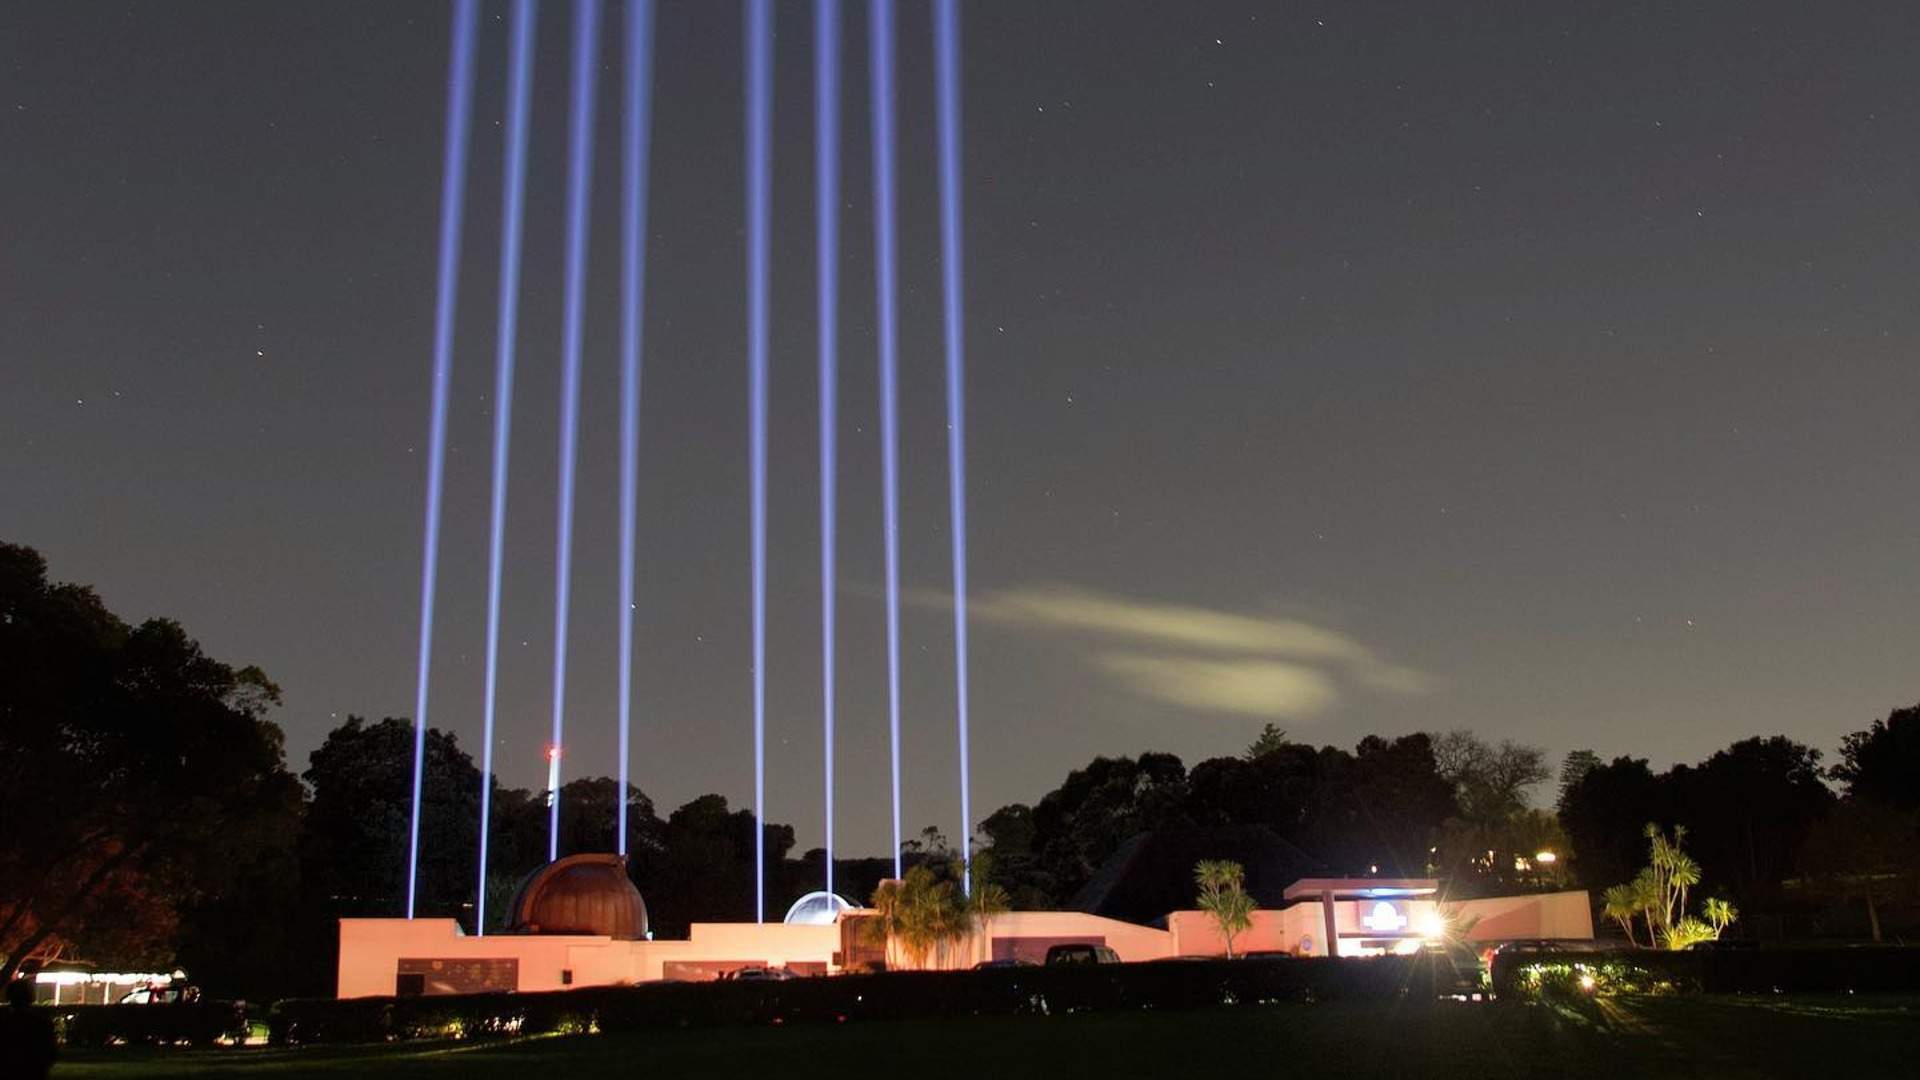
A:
x,y
634,152
519,88
826,85
880,68
946,64
452,199
586,48
759,151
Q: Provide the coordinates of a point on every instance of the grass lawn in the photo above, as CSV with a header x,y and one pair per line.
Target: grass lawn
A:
x,y
1847,1037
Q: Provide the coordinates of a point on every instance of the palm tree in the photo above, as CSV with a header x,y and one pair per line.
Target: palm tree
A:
x,y
1648,895
888,903
927,920
987,898
1620,904
1223,895
1683,872
1719,914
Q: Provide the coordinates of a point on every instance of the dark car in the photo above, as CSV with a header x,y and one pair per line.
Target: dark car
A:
x,y
759,974
996,965
1081,954
1549,945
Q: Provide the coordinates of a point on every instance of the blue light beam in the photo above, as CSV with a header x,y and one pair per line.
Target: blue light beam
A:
x,y
880,69
946,64
759,150
453,183
586,48
826,157
634,152
512,204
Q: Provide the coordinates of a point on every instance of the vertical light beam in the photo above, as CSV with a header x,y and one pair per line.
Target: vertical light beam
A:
x,y
634,150
826,158
586,48
880,69
453,183
759,107
512,204
946,65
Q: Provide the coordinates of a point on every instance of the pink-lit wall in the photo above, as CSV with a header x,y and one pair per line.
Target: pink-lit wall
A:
x,y
371,949
1543,915
1023,934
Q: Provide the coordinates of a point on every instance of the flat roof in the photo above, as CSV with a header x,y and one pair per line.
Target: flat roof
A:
x,y
1361,888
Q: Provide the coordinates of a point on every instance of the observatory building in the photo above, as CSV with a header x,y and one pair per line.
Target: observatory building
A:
x,y
579,921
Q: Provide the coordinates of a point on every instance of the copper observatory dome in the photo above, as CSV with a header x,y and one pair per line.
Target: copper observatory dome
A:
x,y
581,894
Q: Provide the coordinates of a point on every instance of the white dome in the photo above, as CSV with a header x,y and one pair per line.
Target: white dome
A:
x,y
816,909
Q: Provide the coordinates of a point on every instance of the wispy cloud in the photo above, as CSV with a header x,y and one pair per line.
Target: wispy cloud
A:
x,y
1198,657
1249,687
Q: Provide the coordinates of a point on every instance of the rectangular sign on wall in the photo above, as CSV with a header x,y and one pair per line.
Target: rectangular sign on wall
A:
x,y
463,976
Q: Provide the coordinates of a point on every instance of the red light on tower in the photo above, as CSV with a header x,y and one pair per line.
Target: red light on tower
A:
x,y
553,773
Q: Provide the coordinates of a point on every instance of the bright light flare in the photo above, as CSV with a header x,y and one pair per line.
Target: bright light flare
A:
x,y
453,182
946,64
586,50
1432,926
513,200
633,157
759,153
880,69
826,103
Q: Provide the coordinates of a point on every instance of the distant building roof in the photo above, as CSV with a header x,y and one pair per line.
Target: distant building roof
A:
x,y
817,909
1361,888
1152,874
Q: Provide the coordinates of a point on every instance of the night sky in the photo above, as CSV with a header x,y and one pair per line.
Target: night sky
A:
x,y
1543,368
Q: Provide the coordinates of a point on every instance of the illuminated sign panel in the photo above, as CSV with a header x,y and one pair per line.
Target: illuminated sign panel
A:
x,y
1384,917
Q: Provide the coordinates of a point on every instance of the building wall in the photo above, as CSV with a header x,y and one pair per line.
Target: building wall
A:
x,y
371,949
1542,915
1299,928
1026,935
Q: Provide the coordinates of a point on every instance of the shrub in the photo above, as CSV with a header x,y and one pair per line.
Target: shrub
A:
x,y
198,1023
852,998
1713,971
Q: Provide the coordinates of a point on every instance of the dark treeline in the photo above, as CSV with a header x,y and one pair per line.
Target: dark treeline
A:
x,y
150,816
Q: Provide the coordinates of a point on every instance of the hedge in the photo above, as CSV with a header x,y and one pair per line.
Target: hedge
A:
x,y
853,998
1729,971
200,1023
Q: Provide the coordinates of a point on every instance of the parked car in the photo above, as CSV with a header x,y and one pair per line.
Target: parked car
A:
x,y
1081,954
1549,945
160,995
996,965
759,974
